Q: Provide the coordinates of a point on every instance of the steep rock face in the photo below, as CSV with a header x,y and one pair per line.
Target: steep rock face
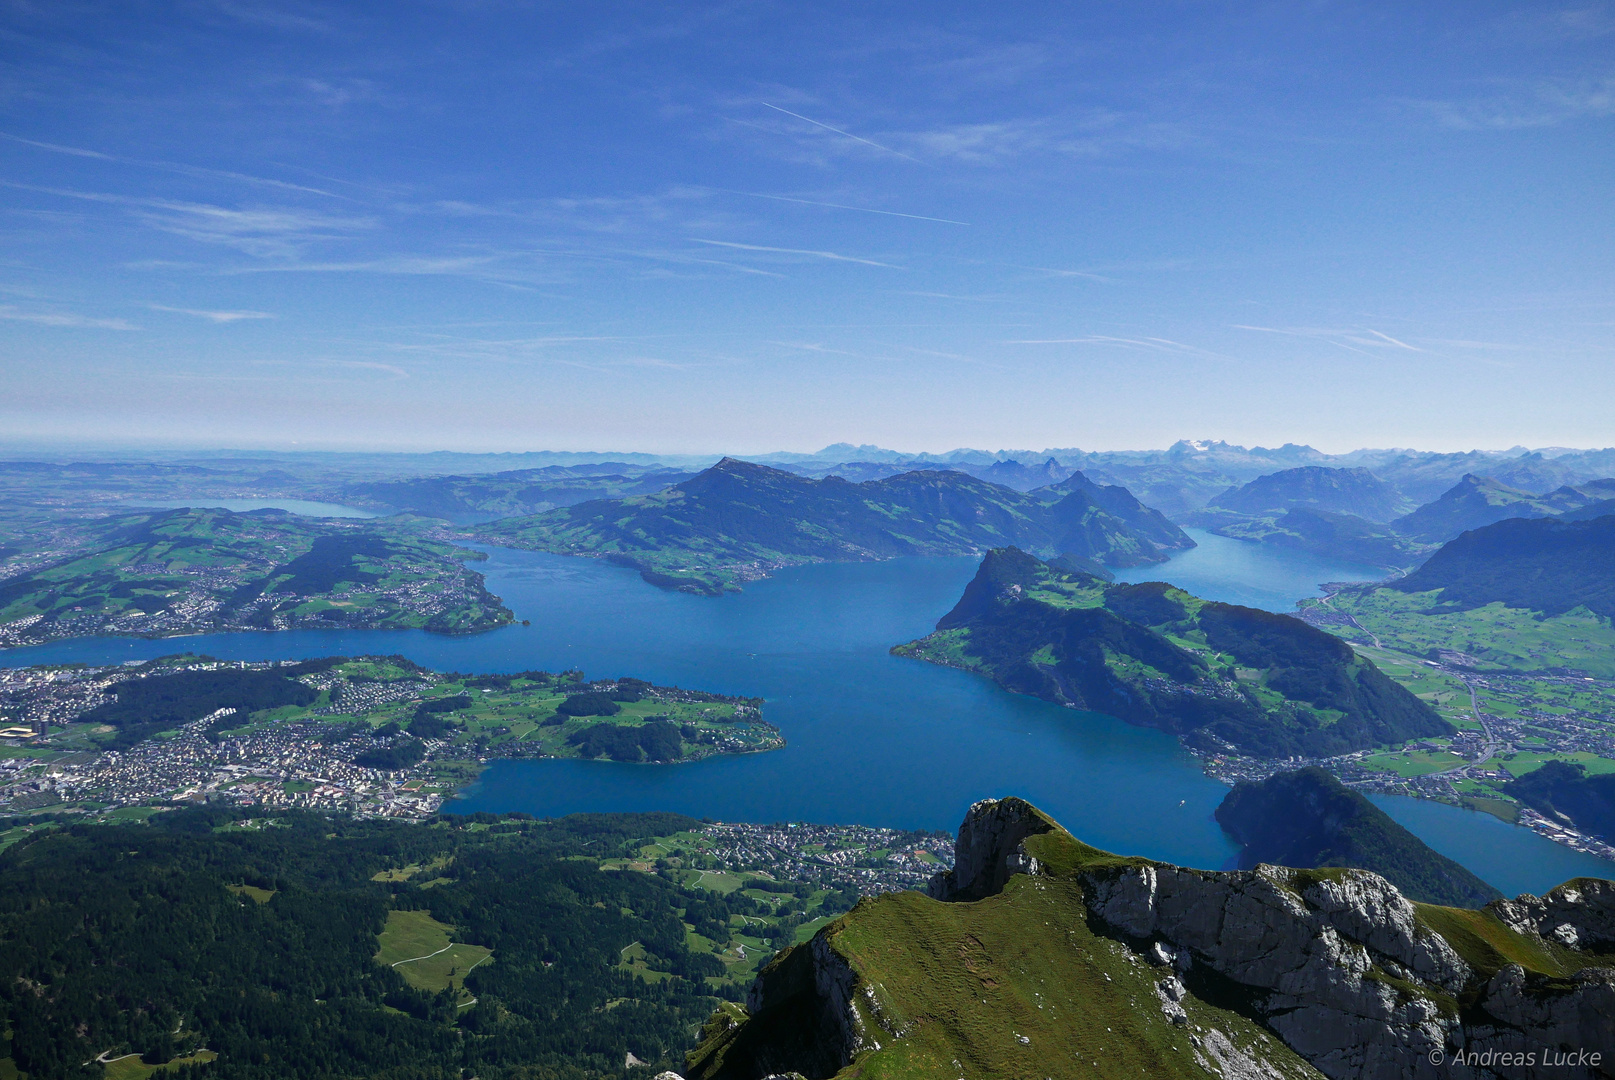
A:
x,y
1579,914
990,849
1096,954
1549,1022
1311,954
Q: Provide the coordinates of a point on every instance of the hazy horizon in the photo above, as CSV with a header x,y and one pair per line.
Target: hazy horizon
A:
x,y
469,225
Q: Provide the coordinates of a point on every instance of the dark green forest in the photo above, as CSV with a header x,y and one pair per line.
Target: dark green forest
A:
x,y
1307,818
142,938
1563,787
1542,565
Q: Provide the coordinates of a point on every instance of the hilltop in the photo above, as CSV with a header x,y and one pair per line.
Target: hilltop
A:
x,y
1040,956
1474,502
1334,513
1306,818
1345,537
1542,565
1316,487
737,520
1218,675
1521,594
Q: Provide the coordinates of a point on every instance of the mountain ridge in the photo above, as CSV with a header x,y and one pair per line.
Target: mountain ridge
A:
x,y
1219,676
738,520
1039,955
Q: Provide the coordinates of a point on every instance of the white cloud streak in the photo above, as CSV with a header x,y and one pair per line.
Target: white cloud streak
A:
x,y
63,319
846,134
831,255
172,166
213,316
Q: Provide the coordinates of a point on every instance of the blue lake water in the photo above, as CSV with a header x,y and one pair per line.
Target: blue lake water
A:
x,y
873,738
1241,572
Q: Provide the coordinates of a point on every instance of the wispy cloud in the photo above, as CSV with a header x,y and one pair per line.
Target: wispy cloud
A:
x,y
64,319
274,16
265,231
171,166
1147,344
831,255
213,316
845,134
1354,340
1541,104
841,206
371,365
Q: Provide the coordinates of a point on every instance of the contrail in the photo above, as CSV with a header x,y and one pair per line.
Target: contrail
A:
x,y
838,131
840,206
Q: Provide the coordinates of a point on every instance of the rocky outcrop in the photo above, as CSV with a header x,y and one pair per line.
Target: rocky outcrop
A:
x,y
1579,914
807,1013
1354,979
1563,1031
1340,968
990,849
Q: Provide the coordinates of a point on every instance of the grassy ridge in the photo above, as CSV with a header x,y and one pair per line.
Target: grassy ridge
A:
x,y
1218,675
736,521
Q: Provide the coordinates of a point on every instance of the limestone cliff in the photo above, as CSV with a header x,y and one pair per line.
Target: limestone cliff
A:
x,y
1040,956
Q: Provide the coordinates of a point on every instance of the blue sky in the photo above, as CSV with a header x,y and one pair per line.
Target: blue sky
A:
x,y
743,227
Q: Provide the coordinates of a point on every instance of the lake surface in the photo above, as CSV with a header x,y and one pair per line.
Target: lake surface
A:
x,y
1242,572
873,738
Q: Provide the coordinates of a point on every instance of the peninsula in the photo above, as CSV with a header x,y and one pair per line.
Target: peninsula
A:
x,y
368,735
1221,677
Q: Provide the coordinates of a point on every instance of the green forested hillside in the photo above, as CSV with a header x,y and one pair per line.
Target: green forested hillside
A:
x,y
1562,788
1345,537
1221,676
1307,818
259,940
736,521
1520,595
1541,565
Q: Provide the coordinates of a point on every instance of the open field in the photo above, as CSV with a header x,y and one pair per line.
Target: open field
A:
x,y
1493,638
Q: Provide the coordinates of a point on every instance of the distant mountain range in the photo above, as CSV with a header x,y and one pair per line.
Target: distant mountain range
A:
x,y
1307,818
1482,500
1353,516
1314,487
1221,677
739,520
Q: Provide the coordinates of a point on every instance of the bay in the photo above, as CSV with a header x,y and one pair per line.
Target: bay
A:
x,y
873,738
1247,573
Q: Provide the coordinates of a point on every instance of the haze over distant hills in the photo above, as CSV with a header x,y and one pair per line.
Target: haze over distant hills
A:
x,y
738,520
